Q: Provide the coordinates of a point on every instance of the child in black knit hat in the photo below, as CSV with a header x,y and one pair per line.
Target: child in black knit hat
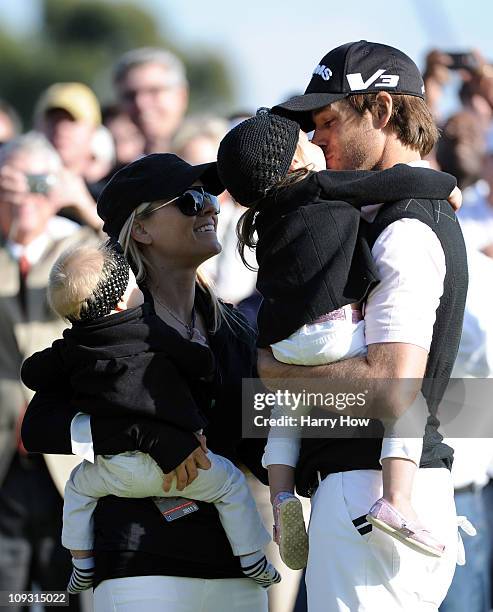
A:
x,y
315,271
121,359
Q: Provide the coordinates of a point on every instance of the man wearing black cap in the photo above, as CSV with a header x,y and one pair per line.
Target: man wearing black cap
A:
x,y
366,104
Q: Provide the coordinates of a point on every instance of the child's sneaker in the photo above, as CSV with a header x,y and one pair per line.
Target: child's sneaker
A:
x,y
289,530
412,533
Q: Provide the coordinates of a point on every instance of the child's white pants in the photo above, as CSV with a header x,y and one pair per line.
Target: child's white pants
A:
x,y
135,474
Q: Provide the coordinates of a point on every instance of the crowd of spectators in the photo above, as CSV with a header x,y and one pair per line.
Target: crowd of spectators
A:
x,y
465,149
50,179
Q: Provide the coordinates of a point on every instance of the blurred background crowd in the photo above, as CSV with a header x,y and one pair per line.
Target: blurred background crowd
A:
x,y
60,142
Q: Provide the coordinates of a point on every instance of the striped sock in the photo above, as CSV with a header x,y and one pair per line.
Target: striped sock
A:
x,y
256,567
82,575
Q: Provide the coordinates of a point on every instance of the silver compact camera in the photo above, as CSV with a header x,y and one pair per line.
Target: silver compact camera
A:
x,y
40,183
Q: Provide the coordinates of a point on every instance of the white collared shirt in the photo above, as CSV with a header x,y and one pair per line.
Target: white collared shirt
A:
x,y
411,264
81,436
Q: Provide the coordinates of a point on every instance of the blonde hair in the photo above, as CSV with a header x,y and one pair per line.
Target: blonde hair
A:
x,y
76,276
141,265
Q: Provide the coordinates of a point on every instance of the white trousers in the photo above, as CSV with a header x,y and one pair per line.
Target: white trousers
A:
x,y
138,475
174,594
354,569
328,342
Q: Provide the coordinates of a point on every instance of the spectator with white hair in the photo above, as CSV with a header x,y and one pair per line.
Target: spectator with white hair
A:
x,y
467,152
152,87
471,584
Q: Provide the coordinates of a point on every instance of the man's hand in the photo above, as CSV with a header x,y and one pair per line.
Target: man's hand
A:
x,y
455,199
70,191
437,67
13,185
186,472
435,77
268,367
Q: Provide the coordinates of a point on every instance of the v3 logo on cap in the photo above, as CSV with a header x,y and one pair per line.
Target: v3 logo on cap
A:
x,y
356,82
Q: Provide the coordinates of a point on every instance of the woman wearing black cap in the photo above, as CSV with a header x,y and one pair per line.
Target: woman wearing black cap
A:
x,y
167,229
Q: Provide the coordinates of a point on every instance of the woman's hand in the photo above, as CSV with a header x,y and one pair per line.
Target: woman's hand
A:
x,y
187,472
203,441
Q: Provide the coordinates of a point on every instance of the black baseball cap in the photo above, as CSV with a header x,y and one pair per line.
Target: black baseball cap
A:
x,y
354,68
158,176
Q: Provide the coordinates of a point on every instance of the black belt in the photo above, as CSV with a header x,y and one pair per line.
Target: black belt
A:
x,y
315,482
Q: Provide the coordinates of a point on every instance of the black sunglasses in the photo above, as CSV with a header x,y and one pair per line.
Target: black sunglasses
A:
x,y
192,202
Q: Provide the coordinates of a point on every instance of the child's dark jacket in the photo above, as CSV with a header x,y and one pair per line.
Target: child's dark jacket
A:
x,y
128,363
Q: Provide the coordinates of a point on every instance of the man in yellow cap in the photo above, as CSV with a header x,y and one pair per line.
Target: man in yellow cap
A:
x,y
68,114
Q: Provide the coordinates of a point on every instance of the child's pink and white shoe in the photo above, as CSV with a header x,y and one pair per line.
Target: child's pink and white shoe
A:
x,y
412,533
289,530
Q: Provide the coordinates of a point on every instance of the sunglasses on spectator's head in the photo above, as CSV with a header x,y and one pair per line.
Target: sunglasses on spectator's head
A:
x,y
191,202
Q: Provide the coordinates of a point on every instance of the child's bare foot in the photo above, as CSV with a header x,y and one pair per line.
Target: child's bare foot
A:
x,y
82,554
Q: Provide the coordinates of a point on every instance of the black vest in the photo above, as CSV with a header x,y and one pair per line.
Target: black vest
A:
x,y
336,455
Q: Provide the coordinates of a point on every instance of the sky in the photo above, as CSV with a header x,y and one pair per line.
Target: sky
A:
x,y
272,46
